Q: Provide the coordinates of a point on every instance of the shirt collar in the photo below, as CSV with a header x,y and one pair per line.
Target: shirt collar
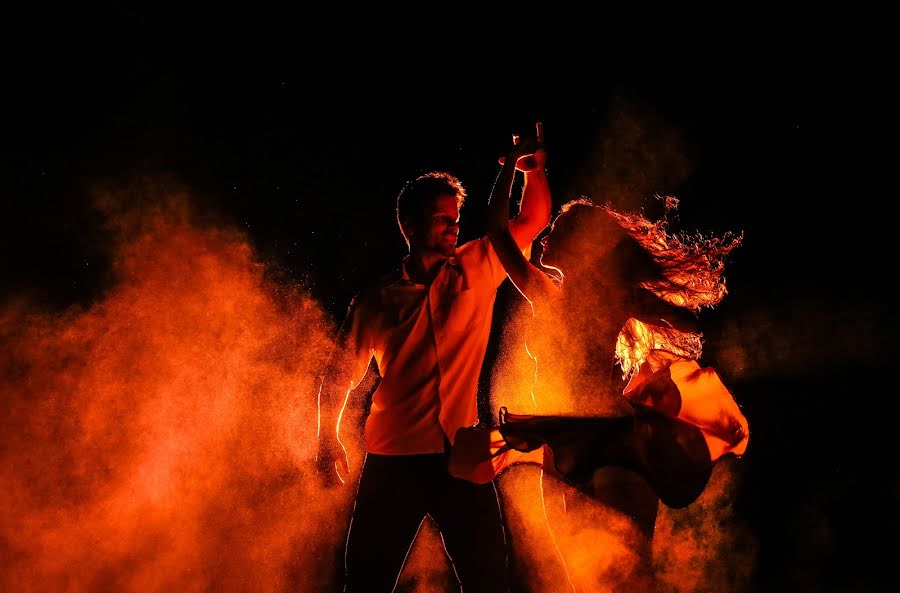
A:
x,y
404,274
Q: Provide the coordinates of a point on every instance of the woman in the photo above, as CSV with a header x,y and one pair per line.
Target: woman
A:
x,y
613,290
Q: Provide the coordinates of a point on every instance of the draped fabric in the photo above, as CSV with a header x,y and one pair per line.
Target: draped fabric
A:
x,y
682,389
685,420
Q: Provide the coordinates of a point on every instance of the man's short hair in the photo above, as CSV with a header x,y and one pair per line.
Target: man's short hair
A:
x,y
421,191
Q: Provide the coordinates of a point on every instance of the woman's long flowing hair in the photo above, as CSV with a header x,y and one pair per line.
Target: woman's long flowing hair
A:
x,y
686,271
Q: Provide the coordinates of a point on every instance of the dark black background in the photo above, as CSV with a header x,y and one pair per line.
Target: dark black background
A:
x,y
304,144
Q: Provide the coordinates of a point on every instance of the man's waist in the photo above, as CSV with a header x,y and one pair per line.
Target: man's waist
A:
x,y
389,438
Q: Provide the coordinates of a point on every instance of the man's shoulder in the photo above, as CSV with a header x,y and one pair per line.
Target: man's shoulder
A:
x,y
385,280
476,248
477,243
373,292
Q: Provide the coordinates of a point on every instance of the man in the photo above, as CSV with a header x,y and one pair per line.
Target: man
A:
x,y
427,326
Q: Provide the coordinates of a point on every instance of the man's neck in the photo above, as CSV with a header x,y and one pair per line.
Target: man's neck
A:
x,y
422,267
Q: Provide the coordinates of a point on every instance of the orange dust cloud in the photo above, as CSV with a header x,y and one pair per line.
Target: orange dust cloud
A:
x,y
427,568
800,337
636,154
534,548
562,540
163,438
559,544
705,546
561,361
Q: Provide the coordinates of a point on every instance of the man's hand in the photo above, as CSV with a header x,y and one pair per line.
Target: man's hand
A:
x,y
331,461
529,153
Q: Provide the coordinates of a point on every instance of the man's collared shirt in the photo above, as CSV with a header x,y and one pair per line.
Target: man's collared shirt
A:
x,y
429,343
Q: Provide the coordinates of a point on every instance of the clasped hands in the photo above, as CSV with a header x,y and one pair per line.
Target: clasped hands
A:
x,y
528,152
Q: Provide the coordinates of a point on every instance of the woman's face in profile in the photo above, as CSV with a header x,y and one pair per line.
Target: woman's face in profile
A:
x,y
580,235
558,242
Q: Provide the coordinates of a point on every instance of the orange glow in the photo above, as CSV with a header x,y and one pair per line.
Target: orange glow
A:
x,y
595,542
427,569
702,547
162,438
638,340
705,546
692,264
586,347
702,400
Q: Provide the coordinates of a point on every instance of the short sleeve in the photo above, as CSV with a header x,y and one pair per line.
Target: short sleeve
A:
x,y
355,339
481,261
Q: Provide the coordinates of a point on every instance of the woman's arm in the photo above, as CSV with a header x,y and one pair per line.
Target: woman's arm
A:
x,y
530,281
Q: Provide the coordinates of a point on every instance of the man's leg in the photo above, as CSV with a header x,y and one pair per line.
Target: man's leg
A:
x,y
386,517
468,516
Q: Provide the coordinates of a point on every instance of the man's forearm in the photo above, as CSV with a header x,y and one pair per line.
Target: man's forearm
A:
x,y
333,395
331,457
330,408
